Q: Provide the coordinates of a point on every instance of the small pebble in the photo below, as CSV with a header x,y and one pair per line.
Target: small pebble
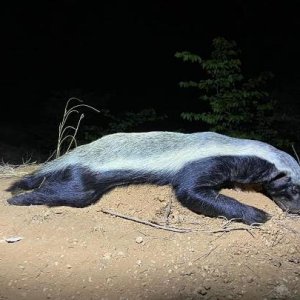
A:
x,y
14,239
139,240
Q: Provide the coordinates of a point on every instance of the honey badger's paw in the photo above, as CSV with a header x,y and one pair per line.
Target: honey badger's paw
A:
x,y
255,216
24,199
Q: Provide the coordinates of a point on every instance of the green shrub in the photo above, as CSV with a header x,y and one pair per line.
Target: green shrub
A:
x,y
233,104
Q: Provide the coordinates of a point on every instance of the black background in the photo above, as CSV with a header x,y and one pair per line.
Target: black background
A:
x,y
120,55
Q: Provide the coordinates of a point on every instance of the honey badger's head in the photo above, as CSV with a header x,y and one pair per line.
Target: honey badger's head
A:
x,y
285,193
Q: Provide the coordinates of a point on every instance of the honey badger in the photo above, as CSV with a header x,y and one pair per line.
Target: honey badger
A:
x,y
196,165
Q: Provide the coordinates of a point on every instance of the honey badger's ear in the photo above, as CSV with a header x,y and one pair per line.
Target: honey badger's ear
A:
x,y
279,181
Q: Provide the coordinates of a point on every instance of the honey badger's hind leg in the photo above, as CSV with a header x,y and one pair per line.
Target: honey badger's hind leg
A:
x,y
53,198
72,186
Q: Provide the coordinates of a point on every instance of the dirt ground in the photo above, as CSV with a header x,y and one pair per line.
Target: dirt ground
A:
x,y
72,253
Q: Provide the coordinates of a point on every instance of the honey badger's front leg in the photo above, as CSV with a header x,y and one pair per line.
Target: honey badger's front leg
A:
x,y
198,184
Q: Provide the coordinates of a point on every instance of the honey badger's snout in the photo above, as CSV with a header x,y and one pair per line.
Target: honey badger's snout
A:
x,y
285,194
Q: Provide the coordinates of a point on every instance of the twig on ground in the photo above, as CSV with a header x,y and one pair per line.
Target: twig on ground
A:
x,y
293,216
168,211
180,230
206,254
222,230
228,222
174,229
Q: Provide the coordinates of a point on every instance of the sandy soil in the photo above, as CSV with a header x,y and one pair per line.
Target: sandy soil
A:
x,y
71,253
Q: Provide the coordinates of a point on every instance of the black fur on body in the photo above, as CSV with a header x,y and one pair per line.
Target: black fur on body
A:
x,y
76,180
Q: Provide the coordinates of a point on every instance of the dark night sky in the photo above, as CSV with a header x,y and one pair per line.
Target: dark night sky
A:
x,y
126,48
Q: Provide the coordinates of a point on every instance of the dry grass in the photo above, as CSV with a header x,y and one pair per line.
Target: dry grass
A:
x,y
67,133
9,170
